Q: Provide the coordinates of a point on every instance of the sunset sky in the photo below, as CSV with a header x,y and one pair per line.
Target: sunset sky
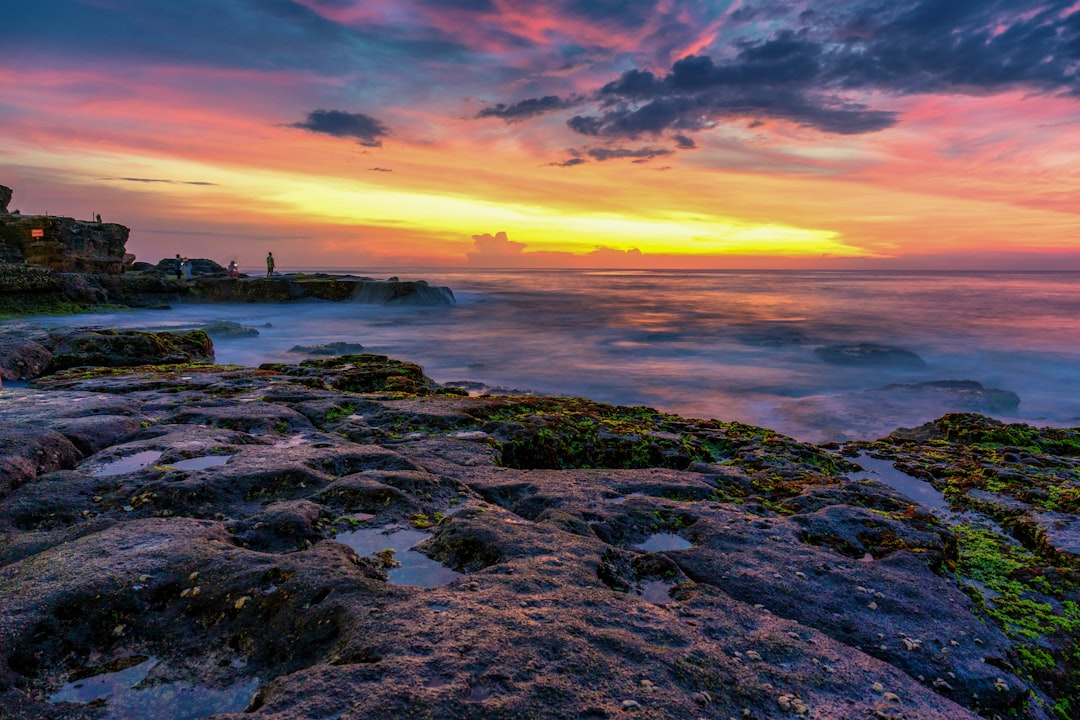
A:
x,y
564,133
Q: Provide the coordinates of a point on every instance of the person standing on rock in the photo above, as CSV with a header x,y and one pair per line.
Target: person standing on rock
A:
x,y
269,264
187,269
178,266
234,271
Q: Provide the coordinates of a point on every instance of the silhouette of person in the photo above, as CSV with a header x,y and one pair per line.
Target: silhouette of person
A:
x,y
98,218
234,271
178,266
269,264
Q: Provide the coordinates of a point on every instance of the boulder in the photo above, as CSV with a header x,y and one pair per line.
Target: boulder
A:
x,y
226,329
334,348
126,348
959,395
869,354
200,267
5,198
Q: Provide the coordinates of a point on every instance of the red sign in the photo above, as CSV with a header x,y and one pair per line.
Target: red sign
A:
x,y
37,233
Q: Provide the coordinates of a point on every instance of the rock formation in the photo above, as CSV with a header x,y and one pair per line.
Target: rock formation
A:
x,y
76,265
65,244
320,286
345,538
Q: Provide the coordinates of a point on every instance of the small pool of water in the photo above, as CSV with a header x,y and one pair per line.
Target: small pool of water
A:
x,y
656,591
201,463
127,695
416,569
129,463
915,488
619,499
660,542
103,685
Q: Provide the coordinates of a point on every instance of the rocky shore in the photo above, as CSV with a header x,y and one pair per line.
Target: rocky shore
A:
x,y
343,538
60,265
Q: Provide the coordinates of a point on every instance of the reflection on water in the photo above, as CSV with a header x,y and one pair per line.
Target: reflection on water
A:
x,y
660,542
102,686
129,696
126,464
416,569
201,463
729,345
656,591
910,486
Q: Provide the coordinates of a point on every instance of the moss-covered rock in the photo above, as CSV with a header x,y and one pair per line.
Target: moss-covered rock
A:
x,y
362,373
125,348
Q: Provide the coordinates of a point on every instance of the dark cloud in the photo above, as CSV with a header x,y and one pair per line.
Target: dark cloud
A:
x,y
528,108
380,169
159,180
964,46
640,155
571,162
366,129
806,73
684,143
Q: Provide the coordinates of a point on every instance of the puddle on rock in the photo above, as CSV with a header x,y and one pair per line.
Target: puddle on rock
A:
x,y
660,542
656,591
201,463
619,499
127,696
910,486
129,463
416,569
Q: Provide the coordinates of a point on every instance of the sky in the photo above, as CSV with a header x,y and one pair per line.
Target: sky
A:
x,y
824,134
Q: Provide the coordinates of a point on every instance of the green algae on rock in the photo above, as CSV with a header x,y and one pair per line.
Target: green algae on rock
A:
x,y
1023,569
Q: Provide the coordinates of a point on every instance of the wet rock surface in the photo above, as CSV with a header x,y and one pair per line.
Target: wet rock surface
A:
x,y
1014,494
871,354
28,352
191,522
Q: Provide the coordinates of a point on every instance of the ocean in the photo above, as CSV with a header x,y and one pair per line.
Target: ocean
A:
x,y
730,345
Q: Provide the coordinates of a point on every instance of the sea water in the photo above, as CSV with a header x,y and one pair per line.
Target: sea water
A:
x,y
731,345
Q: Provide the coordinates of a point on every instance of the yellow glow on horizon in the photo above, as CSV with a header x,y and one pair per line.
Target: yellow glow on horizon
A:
x,y
339,202
558,230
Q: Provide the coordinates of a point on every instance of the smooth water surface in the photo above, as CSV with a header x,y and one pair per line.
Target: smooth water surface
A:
x,y
910,486
416,569
129,696
126,464
660,542
657,592
201,463
712,344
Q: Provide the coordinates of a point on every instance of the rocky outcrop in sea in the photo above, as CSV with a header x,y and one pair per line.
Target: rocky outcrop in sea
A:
x,y
342,537
60,265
